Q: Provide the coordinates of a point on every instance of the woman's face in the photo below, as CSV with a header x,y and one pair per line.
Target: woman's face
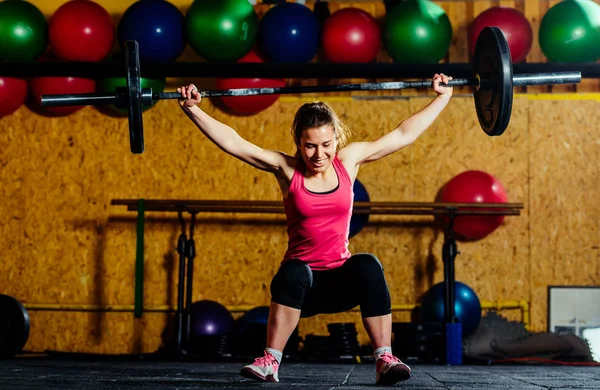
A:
x,y
317,147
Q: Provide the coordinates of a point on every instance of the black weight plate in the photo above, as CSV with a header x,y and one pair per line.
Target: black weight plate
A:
x,y
14,326
134,97
341,326
492,64
346,329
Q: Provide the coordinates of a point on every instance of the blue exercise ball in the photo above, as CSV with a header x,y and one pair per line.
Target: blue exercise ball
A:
x,y
467,307
257,315
358,221
210,318
253,319
159,28
289,32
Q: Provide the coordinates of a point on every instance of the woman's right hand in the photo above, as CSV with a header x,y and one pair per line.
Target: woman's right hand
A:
x,y
189,96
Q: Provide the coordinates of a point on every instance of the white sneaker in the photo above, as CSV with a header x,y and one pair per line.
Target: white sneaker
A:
x,y
263,369
390,370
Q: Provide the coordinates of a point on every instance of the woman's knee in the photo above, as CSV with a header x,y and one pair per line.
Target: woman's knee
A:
x,y
370,280
292,271
367,263
291,282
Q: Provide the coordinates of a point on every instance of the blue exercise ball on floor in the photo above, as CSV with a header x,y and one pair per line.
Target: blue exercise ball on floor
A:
x,y
210,318
254,318
358,221
467,307
158,27
257,315
289,32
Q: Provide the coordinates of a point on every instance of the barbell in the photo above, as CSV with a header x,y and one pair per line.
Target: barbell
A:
x,y
493,84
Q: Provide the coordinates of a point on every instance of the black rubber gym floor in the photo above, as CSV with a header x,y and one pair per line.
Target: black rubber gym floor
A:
x,y
69,373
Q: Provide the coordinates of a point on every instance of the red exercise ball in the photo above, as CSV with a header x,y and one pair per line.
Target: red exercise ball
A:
x,y
351,35
513,24
475,187
13,93
60,85
249,105
81,30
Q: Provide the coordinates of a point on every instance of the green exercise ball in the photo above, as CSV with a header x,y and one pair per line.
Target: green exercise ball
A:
x,y
570,32
110,84
221,30
23,31
417,31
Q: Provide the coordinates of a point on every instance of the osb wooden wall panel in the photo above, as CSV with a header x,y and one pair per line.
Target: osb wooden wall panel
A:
x,y
564,211
63,243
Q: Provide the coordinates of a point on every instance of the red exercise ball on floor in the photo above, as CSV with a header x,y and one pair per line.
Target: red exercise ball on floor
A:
x,y
351,35
513,24
249,105
13,93
81,30
475,187
60,85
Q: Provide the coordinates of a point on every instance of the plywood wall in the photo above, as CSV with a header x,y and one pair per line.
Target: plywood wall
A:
x,y
62,242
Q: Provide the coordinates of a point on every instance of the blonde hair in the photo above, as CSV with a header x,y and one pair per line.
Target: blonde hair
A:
x,y
318,114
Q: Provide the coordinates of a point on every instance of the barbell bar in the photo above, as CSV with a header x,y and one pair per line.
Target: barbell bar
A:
x,y
493,84
520,80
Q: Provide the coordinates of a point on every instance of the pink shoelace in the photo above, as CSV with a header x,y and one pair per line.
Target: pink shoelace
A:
x,y
388,358
266,360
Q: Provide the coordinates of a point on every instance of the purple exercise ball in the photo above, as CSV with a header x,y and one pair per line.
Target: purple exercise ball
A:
x,y
210,318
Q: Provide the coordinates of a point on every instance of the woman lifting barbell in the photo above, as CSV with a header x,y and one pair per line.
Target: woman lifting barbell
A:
x,y
318,274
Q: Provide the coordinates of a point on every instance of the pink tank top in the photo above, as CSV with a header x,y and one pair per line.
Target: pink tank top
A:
x,y
318,224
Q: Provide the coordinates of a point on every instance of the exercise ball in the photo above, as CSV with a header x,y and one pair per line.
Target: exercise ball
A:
x,y
110,84
210,318
81,30
221,30
351,35
417,31
158,27
257,315
15,326
13,92
474,187
467,307
23,31
513,24
288,32
39,86
251,331
248,105
570,32
358,221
